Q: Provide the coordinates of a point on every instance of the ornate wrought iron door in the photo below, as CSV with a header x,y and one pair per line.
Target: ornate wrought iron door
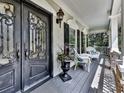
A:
x,y
24,46
9,46
35,46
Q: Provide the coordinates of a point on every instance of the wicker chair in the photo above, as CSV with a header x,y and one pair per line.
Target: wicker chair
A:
x,y
82,59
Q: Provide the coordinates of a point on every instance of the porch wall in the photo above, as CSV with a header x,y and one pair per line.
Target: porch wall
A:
x,y
57,36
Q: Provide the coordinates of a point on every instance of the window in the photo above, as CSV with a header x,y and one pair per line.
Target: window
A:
x,y
71,42
78,41
82,42
66,38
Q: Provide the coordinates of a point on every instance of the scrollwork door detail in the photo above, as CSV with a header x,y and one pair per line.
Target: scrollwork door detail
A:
x,y
37,38
6,32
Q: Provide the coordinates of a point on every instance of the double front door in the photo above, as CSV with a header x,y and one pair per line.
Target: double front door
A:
x,y
24,46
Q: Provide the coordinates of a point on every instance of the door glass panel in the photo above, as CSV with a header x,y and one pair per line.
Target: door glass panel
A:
x,y
6,32
37,38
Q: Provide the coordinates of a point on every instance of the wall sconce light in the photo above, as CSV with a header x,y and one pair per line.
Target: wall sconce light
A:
x,y
60,15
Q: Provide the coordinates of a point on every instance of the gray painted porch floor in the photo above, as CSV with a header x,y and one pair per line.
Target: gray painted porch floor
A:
x,y
80,82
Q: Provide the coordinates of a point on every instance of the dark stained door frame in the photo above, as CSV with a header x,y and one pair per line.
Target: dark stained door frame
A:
x,y
50,16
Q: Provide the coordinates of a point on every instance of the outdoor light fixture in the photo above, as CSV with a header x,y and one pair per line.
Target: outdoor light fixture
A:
x,y
60,15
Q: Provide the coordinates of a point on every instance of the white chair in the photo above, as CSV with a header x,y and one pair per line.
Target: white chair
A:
x,y
94,54
82,59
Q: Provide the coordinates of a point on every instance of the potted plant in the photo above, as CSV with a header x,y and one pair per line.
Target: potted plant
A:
x,y
65,65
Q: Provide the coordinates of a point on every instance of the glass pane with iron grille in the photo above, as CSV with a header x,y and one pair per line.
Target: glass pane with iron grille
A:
x,y
37,38
6,33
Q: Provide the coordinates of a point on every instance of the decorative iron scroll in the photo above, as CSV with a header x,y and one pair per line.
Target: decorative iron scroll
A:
x,y
37,30
6,30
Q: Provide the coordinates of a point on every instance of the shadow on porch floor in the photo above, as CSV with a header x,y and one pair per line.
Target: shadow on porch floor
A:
x,y
80,83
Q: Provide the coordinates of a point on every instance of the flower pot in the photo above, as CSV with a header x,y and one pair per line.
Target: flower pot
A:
x,y
65,67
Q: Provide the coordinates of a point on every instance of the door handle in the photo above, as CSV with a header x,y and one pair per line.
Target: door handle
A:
x,y
25,51
26,54
17,54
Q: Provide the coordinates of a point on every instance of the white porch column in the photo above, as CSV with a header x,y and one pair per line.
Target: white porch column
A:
x,y
109,34
76,39
85,36
114,34
122,29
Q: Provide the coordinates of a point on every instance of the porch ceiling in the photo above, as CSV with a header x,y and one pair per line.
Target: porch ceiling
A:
x,y
94,13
